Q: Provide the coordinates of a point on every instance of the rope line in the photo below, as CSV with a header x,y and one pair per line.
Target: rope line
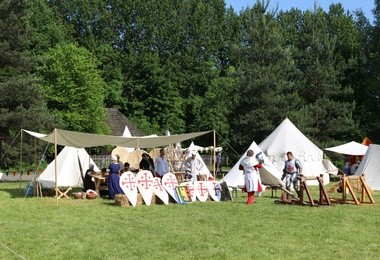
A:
x,y
14,252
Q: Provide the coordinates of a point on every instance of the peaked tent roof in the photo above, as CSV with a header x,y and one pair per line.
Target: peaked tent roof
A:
x,y
68,168
270,175
351,148
370,167
81,140
118,123
287,137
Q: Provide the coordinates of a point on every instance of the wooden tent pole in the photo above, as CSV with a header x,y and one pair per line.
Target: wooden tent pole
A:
x,y
55,165
20,169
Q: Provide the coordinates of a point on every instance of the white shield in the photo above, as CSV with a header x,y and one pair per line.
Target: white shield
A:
x,y
160,191
214,190
129,186
201,191
169,182
145,185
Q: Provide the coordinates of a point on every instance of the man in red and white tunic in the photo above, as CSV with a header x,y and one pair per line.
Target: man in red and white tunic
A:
x,y
252,179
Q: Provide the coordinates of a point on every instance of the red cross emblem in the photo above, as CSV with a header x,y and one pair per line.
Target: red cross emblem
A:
x,y
128,182
171,183
157,185
145,181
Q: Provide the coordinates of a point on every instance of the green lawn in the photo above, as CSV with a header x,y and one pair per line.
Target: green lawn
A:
x,y
38,228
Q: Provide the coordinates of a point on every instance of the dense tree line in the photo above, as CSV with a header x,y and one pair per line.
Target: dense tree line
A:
x,y
189,65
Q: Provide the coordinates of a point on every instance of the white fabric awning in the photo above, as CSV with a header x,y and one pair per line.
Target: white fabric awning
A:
x,y
82,140
351,148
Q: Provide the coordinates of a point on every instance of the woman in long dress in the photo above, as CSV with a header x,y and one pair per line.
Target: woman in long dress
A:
x,y
114,179
252,179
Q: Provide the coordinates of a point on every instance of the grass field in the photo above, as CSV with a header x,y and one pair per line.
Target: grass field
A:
x,y
38,228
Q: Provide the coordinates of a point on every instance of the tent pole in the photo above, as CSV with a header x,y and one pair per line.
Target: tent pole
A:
x,y
214,155
55,165
21,158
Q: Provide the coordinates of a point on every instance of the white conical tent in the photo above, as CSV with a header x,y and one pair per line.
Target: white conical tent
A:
x,y
269,174
68,168
370,167
286,137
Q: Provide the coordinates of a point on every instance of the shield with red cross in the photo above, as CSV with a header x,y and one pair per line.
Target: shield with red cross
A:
x,y
169,182
201,191
145,184
129,186
160,191
214,190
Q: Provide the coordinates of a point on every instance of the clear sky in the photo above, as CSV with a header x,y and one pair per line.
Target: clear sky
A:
x,y
365,5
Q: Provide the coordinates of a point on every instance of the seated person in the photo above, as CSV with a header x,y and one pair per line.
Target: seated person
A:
x,y
87,181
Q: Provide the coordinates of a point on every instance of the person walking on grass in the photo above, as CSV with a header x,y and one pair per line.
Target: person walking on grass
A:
x,y
291,171
252,181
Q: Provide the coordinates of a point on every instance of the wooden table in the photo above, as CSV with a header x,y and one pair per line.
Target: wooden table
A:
x,y
99,180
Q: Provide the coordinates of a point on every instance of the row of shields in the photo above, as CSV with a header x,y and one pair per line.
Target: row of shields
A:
x,y
147,185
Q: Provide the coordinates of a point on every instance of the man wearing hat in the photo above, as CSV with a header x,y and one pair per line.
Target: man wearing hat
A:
x,y
193,165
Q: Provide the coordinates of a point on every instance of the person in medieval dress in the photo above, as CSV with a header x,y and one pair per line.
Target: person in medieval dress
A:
x,y
291,171
87,180
114,178
193,166
252,180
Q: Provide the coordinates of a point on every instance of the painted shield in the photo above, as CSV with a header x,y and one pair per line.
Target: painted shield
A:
x,y
160,191
129,186
190,190
201,191
169,182
214,190
145,184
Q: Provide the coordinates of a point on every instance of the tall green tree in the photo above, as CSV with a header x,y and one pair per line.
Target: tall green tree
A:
x,y
74,88
326,101
22,104
265,94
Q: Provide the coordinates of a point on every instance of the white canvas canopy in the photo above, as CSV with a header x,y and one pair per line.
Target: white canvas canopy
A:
x,y
287,137
270,175
70,161
351,148
370,167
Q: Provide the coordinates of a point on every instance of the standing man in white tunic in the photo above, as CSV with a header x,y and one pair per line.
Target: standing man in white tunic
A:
x,y
252,179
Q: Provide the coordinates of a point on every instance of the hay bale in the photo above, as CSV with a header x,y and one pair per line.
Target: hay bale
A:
x,y
121,200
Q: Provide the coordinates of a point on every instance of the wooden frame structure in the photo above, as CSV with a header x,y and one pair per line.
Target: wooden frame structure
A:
x,y
365,191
